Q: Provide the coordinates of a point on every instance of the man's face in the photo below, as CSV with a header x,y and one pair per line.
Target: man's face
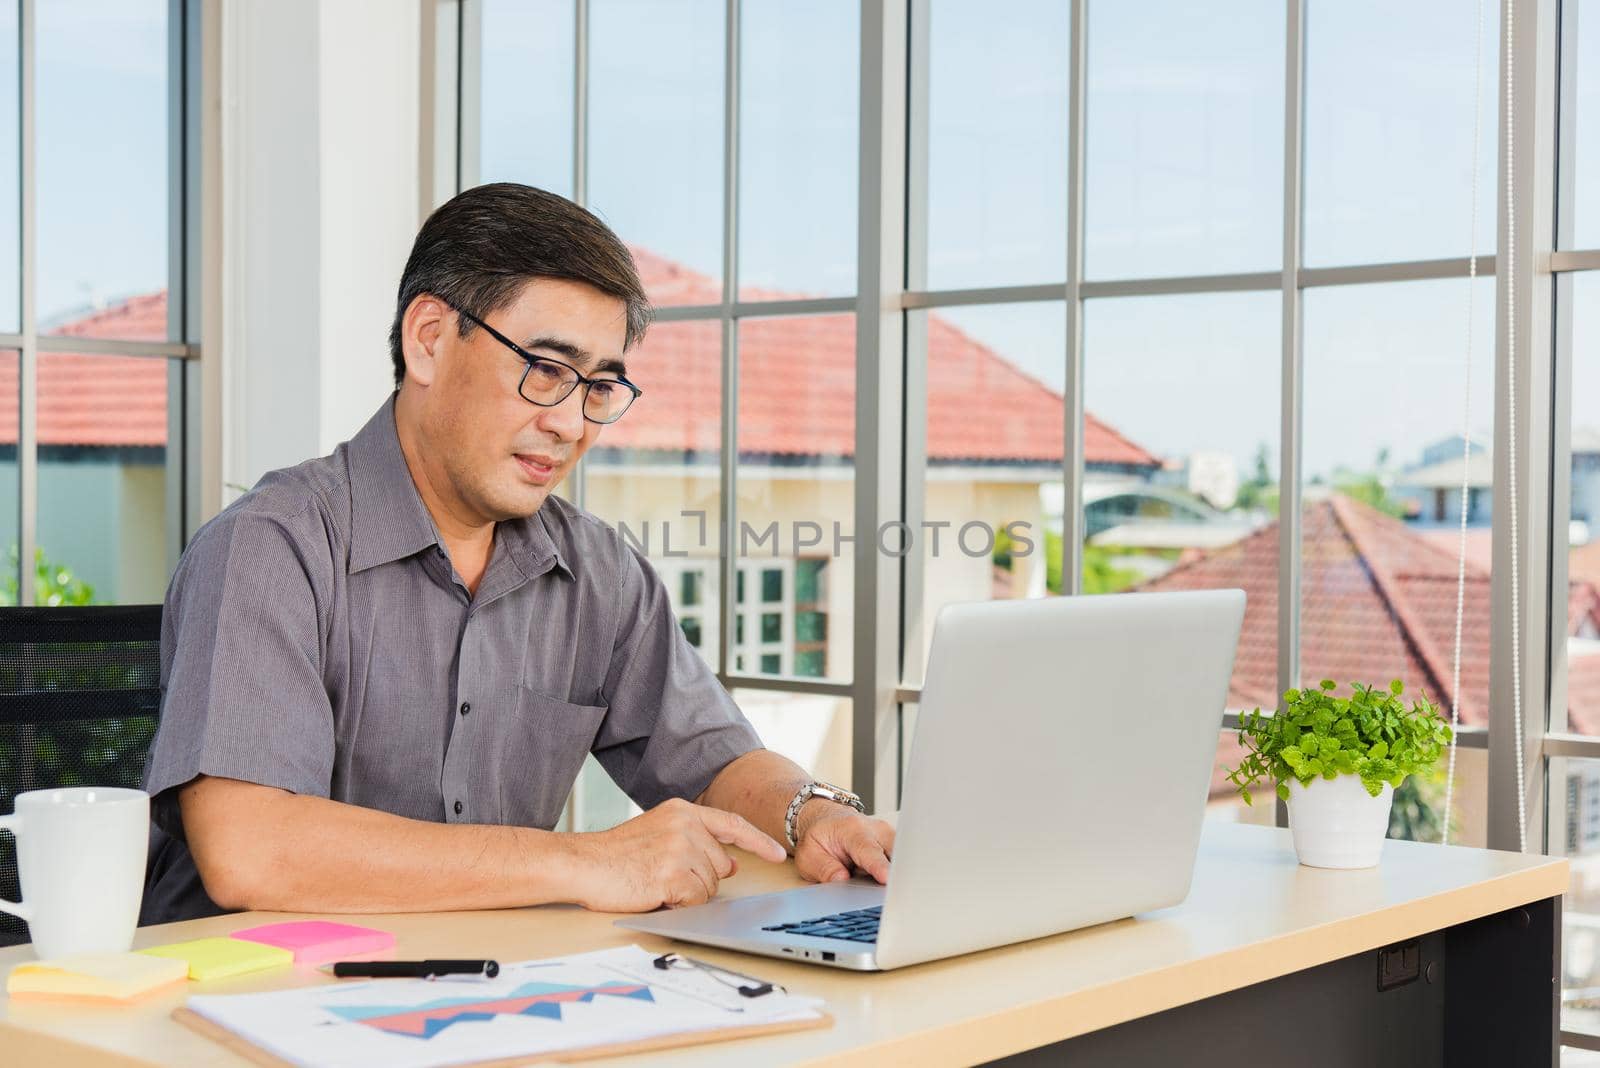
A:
x,y
502,454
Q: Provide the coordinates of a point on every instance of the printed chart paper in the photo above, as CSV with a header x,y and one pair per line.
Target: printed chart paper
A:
x,y
592,999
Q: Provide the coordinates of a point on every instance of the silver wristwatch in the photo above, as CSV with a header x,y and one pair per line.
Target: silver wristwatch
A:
x,y
823,790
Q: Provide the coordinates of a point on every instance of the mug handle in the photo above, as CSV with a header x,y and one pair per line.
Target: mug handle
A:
x,y
13,823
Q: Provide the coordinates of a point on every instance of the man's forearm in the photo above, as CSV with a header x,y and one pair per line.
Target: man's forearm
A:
x,y
759,787
261,848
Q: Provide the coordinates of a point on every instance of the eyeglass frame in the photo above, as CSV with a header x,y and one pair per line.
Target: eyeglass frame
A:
x,y
529,358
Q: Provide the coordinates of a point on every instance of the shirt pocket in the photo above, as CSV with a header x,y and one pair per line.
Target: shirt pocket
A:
x,y
541,754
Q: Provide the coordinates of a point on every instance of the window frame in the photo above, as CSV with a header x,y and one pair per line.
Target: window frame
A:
x,y
182,349
891,462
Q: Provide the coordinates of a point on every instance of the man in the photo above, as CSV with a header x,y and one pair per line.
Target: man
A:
x,y
381,669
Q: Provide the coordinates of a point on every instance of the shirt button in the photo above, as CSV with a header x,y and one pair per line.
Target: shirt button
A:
x,y
458,808
466,706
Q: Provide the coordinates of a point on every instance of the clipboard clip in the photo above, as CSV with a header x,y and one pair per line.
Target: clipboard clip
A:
x,y
747,985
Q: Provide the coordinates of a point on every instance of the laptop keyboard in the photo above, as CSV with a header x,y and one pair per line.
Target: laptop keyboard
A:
x,y
859,925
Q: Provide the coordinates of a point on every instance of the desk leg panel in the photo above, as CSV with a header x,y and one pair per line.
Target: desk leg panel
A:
x,y
1486,993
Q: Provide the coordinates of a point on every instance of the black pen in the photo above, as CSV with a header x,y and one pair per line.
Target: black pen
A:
x,y
413,969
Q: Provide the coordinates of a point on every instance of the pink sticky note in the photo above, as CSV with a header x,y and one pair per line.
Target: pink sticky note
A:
x,y
318,941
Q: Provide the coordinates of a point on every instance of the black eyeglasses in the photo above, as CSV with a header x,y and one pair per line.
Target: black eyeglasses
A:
x,y
547,382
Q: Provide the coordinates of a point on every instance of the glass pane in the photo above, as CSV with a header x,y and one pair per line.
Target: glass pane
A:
x,y
103,508
103,176
526,102
796,481
799,98
1585,208
653,473
1583,560
655,139
10,192
1389,130
1385,372
1181,477
997,143
1575,832
597,803
10,571
811,730
1185,120
992,492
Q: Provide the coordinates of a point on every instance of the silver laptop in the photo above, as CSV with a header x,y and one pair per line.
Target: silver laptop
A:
x,y
1058,778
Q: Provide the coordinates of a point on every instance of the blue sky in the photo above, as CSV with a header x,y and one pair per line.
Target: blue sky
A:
x,y
1184,156
102,152
1185,149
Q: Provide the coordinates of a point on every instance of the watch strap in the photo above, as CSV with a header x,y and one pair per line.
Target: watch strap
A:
x,y
815,789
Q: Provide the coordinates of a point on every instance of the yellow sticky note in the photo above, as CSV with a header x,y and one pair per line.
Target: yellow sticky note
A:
x,y
220,958
113,976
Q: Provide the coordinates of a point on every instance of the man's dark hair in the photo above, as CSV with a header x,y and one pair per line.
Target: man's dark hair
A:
x,y
478,249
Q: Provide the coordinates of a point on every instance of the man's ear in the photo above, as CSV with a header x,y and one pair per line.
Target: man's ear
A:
x,y
421,330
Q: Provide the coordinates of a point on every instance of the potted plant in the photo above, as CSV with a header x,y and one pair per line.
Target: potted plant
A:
x,y
1337,761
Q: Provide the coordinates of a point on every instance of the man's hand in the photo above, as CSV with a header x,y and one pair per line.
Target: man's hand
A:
x,y
836,840
672,855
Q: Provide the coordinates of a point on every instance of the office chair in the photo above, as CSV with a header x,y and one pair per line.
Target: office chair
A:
x,y
79,699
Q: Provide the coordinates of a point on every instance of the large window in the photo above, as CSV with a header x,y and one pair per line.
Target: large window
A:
x,y
94,298
1241,243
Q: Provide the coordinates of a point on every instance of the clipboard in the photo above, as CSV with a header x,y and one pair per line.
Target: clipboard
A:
x,y
282,1028
256,1055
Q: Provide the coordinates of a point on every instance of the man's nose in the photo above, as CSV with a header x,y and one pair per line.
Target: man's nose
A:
x,y
565,420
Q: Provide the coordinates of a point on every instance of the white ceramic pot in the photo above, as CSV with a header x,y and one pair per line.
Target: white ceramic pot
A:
x,y
1337,824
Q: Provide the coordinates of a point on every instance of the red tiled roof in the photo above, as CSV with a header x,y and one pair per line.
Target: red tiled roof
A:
x,y
1378,602
99,401
797,388
141,318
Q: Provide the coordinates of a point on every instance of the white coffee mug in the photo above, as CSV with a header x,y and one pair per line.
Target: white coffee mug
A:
x,y
81,852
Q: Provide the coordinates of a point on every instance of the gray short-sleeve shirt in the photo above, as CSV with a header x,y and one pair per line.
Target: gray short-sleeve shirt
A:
x,y
316,638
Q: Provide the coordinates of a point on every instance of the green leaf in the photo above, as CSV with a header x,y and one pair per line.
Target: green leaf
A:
x,y
1379,750
1283,790
1397,687
1328,684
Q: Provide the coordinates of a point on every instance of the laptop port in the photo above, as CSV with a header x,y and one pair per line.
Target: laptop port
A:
x,y
826,955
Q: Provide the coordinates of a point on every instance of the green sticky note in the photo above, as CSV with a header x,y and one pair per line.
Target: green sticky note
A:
x,y
221,958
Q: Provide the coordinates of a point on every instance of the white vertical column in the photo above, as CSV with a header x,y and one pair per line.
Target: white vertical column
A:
x,y
369,186
319,174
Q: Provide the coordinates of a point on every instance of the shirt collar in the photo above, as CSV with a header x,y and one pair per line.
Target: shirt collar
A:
x,y
388,520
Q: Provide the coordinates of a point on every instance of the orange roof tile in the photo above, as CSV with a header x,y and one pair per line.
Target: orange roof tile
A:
x,y
797,389
1378,602
99,401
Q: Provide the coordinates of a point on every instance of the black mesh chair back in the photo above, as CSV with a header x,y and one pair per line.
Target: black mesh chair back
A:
x,y
79,699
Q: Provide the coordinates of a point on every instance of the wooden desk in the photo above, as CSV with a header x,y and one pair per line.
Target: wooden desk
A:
x,y
1266,962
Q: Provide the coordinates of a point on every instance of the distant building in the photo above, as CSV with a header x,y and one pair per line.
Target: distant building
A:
x,y
1586,479
1431,490
1211,476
